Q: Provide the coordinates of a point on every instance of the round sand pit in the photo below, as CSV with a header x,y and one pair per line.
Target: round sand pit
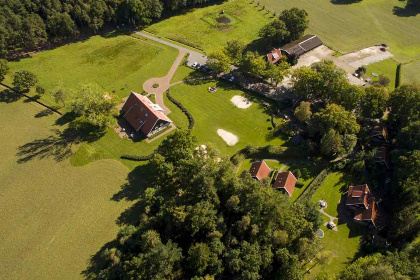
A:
x,y
240,102
229,138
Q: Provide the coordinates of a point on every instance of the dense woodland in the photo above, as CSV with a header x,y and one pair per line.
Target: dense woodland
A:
x,y
30,24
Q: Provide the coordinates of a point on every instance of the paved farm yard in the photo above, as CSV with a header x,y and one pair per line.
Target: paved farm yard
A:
x,y
54,216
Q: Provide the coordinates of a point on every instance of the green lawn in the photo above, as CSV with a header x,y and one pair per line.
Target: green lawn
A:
x,y
344,243
115,64
199,27
387,68
54,216
410,72
213,111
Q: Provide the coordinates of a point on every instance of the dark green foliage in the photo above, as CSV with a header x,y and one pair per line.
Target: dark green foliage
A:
x,y
24,80
374,102
226,227
138,158
183,109
4,69
398,76
296,22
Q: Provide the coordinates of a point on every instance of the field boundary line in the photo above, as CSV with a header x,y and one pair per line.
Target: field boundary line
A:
x,y
33,99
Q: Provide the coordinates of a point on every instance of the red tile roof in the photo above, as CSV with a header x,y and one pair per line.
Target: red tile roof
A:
x,y
274,56
368,214
259,170
358,195
142,114
285,180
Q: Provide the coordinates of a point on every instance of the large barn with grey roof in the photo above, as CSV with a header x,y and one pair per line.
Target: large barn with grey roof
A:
x,y
301,46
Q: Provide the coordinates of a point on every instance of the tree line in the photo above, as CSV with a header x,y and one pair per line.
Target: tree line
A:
x,y
30,24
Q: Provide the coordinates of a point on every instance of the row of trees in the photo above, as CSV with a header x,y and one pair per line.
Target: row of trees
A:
x,y
198,220
29,24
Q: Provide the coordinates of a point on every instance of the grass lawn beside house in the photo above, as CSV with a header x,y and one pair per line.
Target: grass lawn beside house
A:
x,y
54,216
387,68
199,28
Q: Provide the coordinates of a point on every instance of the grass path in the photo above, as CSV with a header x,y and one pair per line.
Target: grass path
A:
x,y
53,216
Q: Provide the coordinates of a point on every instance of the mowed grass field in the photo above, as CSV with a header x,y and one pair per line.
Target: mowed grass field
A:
x,y
213,111
53,216
117,64
198,27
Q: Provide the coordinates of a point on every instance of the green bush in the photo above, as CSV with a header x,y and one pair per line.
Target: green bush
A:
x,y
398,76
183,109
139,158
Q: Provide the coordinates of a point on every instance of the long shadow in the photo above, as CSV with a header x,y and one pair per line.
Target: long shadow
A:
x,y
345,2
59,144
133,190
97,262
407,11
9,96
259,46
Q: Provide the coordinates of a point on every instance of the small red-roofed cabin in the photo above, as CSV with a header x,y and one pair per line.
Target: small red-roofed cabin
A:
x,y
367,215
358,196
285,181
143,115
259,170
274,56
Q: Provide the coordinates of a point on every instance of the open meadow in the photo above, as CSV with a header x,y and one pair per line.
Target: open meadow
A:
x,y
199,27
54,216
114,63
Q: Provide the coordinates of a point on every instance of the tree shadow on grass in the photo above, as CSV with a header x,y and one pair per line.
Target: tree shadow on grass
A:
x,y
9,96
44,113
58,145
133,190
407,11
97,262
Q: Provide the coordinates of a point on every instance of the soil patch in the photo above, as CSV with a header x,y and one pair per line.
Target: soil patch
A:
x,y
229,138
223,20
240,102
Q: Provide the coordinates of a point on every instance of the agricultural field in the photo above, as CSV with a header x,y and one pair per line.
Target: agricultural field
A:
x,y
348,27
410,72
114,63
213,111
54,216
199,27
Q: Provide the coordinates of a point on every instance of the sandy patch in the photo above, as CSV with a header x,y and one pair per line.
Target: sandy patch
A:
x,y
240,102
229,138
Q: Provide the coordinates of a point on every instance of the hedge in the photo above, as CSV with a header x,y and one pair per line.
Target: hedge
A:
x,y
183,109
139,158
314,185
398,76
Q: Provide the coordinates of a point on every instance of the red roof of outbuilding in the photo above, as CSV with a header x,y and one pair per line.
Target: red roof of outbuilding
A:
x,y
274,56
259,170
358,195
285,180
141,113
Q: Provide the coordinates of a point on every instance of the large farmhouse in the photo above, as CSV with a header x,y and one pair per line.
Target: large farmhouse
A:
x,y
363,203
143,115
301,46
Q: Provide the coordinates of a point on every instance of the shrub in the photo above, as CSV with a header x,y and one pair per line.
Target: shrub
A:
x,y
40,90
138,158
398,76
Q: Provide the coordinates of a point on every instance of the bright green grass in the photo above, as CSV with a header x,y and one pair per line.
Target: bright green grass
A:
x,y
119,64
411,72
387,68
199,28
351,27
54,217
212,111
344,243
331,191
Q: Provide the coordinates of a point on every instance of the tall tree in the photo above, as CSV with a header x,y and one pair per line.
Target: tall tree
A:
x,y
234,50
296,22
336,117
24,80
4,69
219,61
374,102
275,33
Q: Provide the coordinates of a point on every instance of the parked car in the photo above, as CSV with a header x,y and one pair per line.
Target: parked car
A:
x,y
195,64
231,79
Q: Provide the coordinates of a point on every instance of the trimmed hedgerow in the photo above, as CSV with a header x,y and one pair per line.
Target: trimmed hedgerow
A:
x,y
398,76
183,109
139,158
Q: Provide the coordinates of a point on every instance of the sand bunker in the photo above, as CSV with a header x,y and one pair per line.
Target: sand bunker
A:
x,y
230,139
240,102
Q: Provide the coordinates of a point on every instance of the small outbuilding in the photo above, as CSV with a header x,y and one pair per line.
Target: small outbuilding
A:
x,y
285,181
301,46
259,170
274,56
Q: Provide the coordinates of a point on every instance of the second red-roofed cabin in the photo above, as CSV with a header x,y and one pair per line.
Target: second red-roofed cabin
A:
x,y
274,56
368,215
143,115
358,196
285,181
259,170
